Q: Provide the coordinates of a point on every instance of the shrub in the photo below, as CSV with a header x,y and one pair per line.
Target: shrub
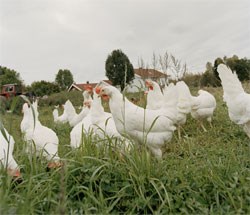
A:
x,y
60,98
192,80
6,104
208,79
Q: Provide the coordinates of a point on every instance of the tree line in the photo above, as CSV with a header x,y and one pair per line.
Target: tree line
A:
x,y
63,80
120,71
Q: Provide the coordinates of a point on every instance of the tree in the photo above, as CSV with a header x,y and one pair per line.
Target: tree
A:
x,y
165,62
240,66
155,61
116,65
141,63
41,88
178,68
217,62
9,76
208,78
64,79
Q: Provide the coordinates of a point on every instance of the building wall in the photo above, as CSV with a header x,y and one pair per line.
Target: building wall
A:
x,y
138,84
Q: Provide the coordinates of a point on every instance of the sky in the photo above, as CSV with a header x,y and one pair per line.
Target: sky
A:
x,y
39,37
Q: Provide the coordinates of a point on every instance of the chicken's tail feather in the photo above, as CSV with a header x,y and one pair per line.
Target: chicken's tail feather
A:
x,y
230,82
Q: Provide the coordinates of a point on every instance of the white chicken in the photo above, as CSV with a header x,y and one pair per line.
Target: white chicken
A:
x,y
75,118
79,130
6,150
25,123
84,126
238,102
177,97
103,123
150,127
99,123
44,138
183,104
155,98
60,119
203,107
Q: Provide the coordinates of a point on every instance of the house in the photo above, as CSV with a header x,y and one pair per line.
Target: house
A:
x,y
138,83
84,86
142,74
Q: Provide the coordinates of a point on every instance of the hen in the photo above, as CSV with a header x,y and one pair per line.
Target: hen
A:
x,y
25,123
44,138
75,118
175,97
203,107
64,117
6,150
99,123
155,98
238,102
150,127
183,104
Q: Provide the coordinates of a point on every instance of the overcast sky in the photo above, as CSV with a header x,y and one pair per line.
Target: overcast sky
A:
x,y
39,37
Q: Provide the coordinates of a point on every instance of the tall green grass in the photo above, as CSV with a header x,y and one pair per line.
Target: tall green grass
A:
x,y
202,173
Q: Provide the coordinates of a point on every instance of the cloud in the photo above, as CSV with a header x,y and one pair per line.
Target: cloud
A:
x,y
37,38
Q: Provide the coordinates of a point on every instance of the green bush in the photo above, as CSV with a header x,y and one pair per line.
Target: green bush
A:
x,y
2,104
42,88
75,97
192,80
208,79
15,103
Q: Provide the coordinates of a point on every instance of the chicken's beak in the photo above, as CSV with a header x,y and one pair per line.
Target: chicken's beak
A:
x,y
54,165
14,173
149,85
98,91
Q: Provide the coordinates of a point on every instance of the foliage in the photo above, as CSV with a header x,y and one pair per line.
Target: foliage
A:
x,y
60,98
192,79
116,65
5,104
240,66
9,76
209,79
202,173
64,78
41,88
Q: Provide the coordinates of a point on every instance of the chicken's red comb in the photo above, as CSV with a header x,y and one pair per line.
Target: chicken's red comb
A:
x,y
98,90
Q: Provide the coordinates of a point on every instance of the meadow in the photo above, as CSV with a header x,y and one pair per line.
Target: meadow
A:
x,y
201,173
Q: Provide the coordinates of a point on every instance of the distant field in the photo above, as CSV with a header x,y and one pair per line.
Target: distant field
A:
x,y
203,173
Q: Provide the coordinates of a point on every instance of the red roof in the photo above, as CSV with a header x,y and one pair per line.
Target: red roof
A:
x,y
85,86
149,73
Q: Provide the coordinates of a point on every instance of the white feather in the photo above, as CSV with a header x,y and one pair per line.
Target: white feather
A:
x,y
238,102
153,127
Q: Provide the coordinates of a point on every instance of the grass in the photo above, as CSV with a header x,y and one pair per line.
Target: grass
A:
x,y
203,173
